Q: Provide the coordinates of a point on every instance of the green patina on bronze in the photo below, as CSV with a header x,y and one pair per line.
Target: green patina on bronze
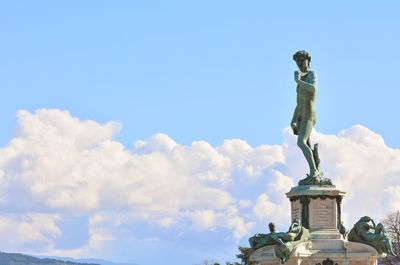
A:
x,y
378,239
304,117
284,242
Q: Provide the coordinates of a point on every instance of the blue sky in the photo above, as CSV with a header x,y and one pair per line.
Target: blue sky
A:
x,y
161,75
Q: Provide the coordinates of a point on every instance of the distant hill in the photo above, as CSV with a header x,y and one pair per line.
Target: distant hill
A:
x,y
21,259
85,260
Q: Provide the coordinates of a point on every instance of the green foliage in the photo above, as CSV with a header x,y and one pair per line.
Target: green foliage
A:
x,y
244,255
235,263
210,262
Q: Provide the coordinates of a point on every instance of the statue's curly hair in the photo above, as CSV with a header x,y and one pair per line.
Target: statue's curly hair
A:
x,y
302,54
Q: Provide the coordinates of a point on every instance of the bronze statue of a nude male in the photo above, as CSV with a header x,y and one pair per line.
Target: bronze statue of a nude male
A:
x,y
304,117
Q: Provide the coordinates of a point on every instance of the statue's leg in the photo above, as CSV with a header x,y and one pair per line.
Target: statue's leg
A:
x,y
309,142
306,126
277,240
380,229
389,246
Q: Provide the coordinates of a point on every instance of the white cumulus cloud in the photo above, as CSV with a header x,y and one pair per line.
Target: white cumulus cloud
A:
x,y
57,165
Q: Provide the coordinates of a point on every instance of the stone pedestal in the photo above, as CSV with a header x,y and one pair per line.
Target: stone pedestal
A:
x,y
319,209
320,253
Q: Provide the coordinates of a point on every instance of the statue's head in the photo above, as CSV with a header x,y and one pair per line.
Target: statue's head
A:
x,y
272,228
365,219
296,221
302,59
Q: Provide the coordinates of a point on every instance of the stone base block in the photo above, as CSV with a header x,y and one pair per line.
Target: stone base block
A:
x,y
321,252
318,207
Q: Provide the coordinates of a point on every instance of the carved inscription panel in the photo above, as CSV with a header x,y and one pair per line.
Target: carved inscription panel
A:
x,y
323,213
296,209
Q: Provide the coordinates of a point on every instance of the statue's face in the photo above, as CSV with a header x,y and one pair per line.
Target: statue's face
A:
x,y
303,64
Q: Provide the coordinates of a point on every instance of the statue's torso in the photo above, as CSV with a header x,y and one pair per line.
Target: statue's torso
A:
x,y
305,100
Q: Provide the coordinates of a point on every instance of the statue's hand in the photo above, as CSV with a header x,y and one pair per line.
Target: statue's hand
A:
x,y
294,128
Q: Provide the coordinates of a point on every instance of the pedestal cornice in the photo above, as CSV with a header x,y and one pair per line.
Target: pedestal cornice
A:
x,y
315,191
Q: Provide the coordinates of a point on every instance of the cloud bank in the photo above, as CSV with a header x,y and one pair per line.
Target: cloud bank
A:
x,y
58,167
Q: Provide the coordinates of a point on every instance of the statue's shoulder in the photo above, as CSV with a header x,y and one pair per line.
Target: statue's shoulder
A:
x,y
312,77
312,73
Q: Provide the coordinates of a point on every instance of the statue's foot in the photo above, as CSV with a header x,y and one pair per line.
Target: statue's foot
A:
x,y
391,253
315,178
316,174
284,258
310,179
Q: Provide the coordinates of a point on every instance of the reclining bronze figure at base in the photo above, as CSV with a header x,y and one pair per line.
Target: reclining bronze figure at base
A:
x,y
284,242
